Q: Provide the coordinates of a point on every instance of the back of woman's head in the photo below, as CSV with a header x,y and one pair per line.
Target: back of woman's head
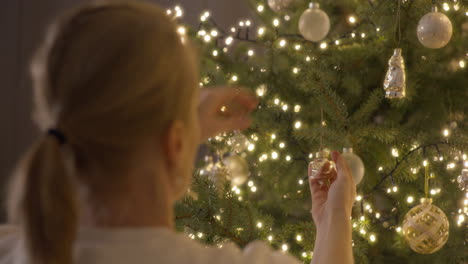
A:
x,y
108,76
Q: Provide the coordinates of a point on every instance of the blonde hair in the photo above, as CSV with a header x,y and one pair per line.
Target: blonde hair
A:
x,y
108,76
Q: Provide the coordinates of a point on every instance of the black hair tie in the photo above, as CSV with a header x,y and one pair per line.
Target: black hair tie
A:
x,y
58,135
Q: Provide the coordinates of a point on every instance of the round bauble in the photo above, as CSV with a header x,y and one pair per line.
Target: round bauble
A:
x,y
238,142
434,30
463,180
355,164
426,227
279,5
238,169
314,23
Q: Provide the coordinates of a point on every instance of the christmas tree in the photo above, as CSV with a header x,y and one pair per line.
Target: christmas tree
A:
x,y
322,87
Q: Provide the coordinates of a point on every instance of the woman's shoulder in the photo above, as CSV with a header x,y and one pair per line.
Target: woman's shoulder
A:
x,y
9,235
255,252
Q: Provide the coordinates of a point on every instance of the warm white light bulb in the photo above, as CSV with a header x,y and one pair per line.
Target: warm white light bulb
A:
x,y
234,78
410,199
372,238
261,90
299,238
462,64
446,6
298,124
260,8
276,22
215,53
352,19
181,30
261,31
282,43
274,155
251,147
323,45
229,40
295,70
446,132
282,145
297,47
284,247
297,108
358,198
259,224
250,53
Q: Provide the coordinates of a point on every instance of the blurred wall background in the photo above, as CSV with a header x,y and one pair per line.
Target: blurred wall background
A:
x,y
22,26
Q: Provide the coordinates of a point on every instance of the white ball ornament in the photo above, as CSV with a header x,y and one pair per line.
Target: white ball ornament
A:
x,y
237,168
314,23
355,164
434,30
279,5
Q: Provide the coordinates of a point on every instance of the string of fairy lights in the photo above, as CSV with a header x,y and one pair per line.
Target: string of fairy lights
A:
x,y
243,32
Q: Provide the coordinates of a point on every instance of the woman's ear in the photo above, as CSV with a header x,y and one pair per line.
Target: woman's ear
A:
x,y
173,146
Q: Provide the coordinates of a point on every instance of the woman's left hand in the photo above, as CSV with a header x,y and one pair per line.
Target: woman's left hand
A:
x,y
224,109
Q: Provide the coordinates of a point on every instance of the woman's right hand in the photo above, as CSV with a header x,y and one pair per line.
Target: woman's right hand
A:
x,y
338,197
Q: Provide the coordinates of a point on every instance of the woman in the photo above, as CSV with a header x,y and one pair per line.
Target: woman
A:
x,y
116,92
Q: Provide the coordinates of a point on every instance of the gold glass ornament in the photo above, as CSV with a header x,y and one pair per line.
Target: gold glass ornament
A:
x,y
395,79
426,227
316,164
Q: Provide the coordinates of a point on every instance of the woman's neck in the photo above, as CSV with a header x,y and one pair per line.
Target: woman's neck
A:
x,y
144,200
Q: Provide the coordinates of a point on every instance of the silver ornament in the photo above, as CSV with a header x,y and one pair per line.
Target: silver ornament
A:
x,y
355,164
395,79
279,5
434,30
238,142
463,180
237,168
216,172
314,23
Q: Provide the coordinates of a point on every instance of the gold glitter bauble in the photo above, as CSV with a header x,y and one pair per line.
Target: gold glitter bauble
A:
x,y
426,228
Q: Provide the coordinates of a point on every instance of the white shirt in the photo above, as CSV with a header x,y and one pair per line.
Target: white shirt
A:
x,y
145,246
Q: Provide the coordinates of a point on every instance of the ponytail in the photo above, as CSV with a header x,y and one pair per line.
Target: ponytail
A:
x,y
44,203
